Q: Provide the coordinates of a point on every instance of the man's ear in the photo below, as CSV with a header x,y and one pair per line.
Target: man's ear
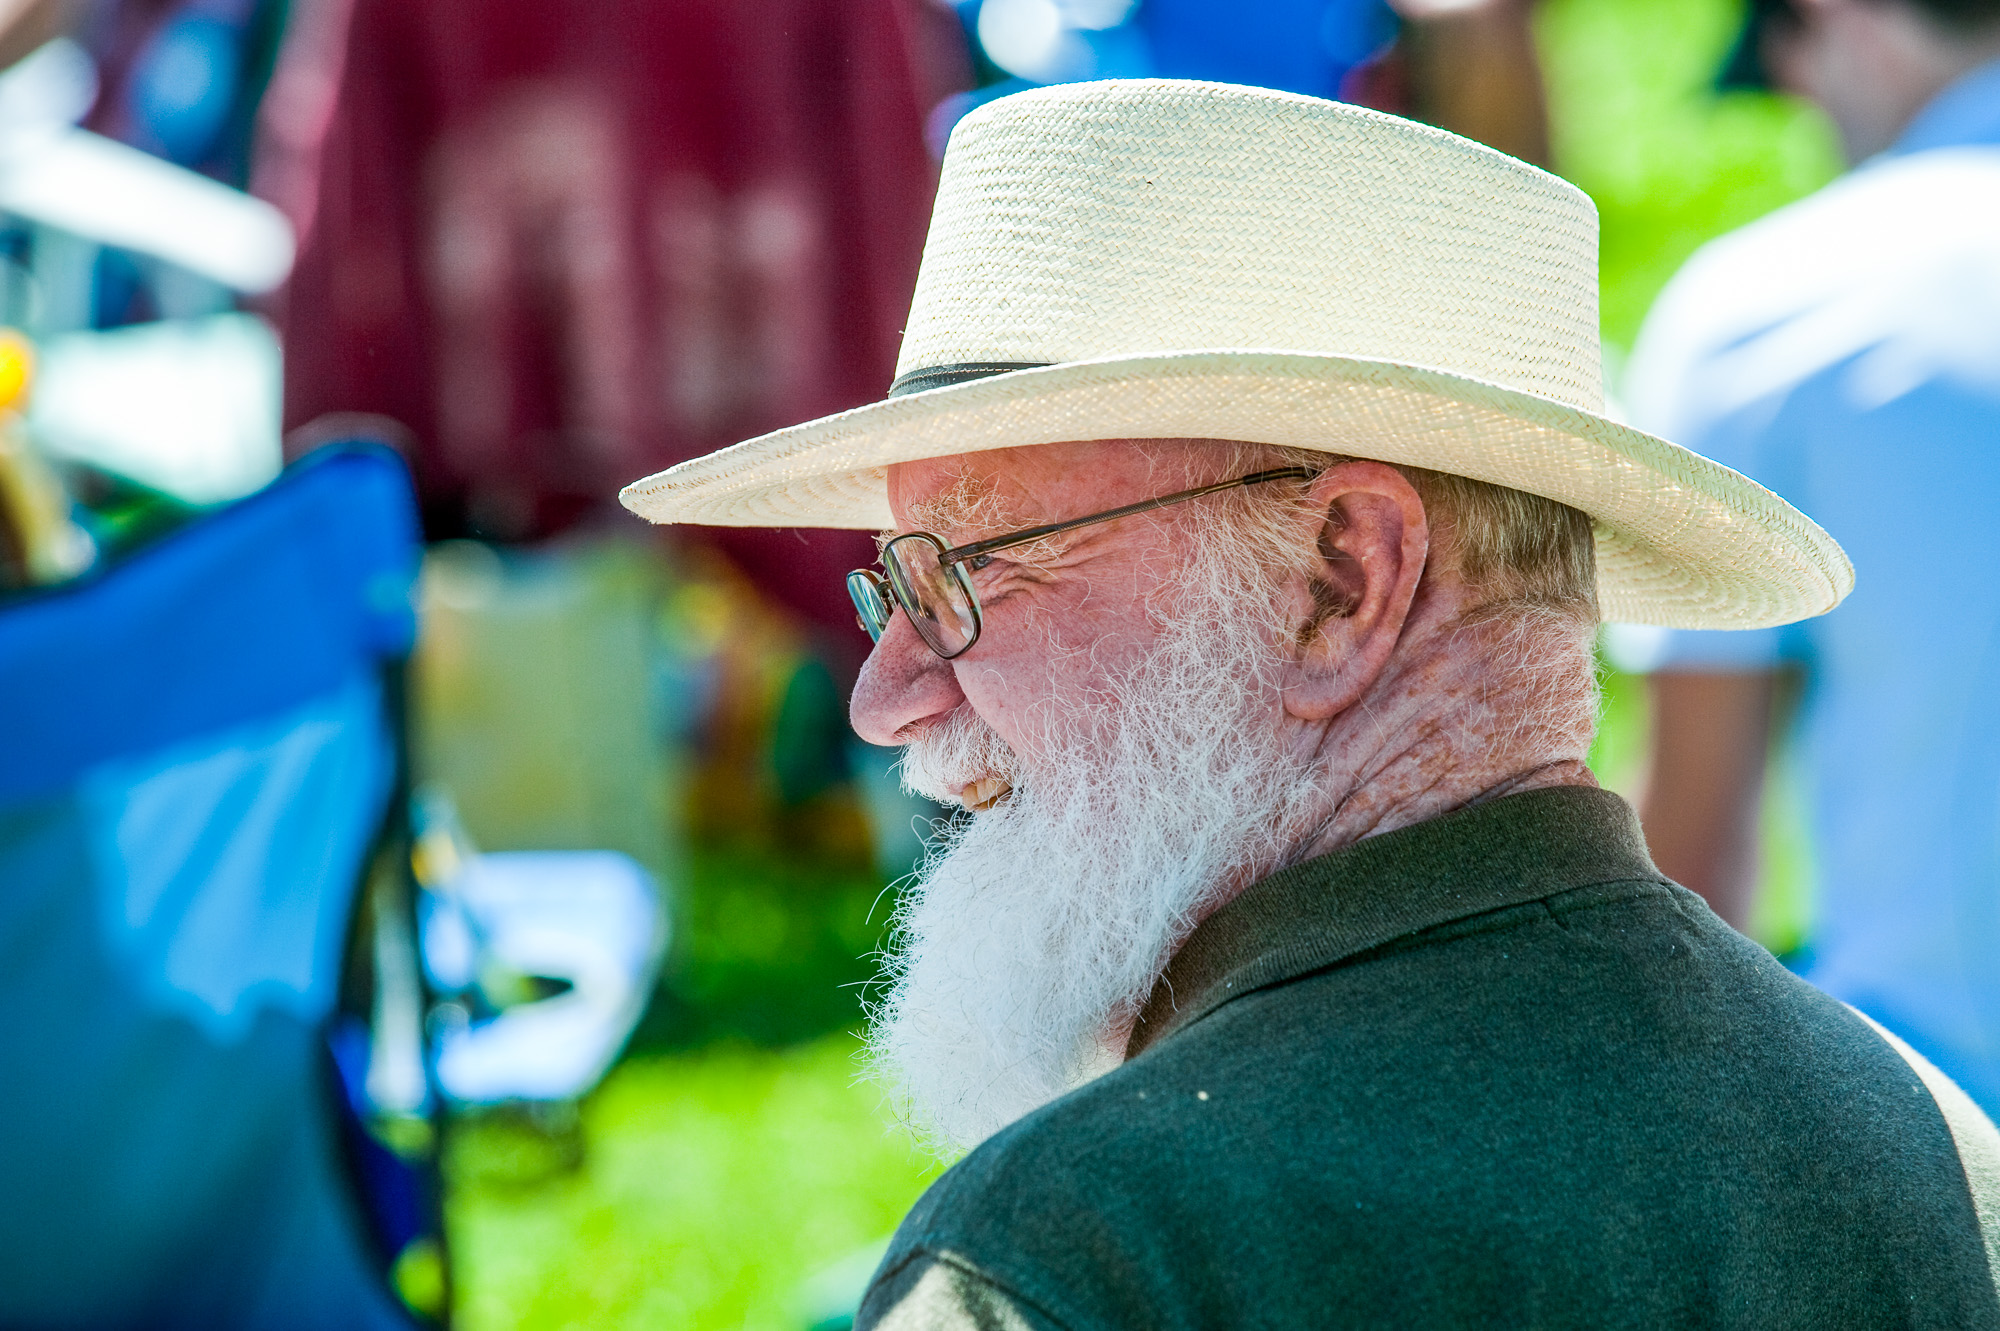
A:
x,y
1373,539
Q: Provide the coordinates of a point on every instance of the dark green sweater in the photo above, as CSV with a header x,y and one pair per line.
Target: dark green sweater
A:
x,y
1492,1069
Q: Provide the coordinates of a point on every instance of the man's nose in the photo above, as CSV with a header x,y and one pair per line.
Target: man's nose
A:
x,y
903,683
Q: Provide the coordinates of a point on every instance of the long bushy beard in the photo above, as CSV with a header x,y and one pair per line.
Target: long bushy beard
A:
x,y
1035,929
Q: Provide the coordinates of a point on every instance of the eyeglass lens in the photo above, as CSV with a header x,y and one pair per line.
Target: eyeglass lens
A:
x,y
938,599
871,602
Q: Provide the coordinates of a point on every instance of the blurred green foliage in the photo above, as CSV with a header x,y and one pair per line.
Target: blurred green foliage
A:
x,y
1669,163
713,1172
1618,756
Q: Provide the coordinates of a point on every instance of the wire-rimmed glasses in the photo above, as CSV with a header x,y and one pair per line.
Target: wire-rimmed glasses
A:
x,y
932,582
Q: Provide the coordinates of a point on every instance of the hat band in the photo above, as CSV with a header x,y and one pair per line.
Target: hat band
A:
x,y
944,376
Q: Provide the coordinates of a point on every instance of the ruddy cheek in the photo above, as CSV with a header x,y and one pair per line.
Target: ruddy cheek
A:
x,y
993,685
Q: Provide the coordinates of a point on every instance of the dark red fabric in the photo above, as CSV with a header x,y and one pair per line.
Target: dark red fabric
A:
x,y
569,244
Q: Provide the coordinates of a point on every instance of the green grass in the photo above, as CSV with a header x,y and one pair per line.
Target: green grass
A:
x,y
711,1185
713,1173
732,1155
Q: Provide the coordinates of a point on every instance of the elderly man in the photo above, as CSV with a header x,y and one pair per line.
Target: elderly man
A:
x,y
1250,513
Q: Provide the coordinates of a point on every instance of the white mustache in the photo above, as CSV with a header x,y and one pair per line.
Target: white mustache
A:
x,y
961,760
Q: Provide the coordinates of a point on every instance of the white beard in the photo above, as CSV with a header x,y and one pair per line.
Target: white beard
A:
x,y
1037,928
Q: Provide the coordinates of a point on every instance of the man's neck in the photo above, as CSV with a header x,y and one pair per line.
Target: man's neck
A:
x,y
1467,713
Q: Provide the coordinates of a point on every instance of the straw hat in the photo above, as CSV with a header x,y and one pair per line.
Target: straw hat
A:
x,y
1165,259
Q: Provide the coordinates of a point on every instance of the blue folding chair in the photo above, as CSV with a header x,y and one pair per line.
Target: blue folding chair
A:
x,y
198,759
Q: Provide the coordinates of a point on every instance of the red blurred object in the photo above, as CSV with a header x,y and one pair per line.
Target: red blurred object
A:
x,y
569,244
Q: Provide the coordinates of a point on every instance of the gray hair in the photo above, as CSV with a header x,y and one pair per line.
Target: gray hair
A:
x,y
1521,555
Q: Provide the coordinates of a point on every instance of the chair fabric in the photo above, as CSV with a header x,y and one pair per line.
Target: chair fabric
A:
x,y
198,757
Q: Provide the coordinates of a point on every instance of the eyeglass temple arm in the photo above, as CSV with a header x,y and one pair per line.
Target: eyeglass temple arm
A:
x,y
987,547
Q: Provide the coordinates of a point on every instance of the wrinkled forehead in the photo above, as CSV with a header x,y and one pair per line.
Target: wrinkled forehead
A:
x,y
969,495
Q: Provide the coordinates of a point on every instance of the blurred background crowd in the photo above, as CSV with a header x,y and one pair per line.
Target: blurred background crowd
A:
x,y
430,894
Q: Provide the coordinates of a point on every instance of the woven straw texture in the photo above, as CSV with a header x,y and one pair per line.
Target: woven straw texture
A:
x,y
1195,260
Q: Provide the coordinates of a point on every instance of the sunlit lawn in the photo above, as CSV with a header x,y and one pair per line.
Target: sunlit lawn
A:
x,y
713,1180
711,1186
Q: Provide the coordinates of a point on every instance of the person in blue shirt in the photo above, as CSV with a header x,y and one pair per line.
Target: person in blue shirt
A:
x,y
1845,351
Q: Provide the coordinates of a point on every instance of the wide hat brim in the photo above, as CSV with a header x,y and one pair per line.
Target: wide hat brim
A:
x,y
1682,542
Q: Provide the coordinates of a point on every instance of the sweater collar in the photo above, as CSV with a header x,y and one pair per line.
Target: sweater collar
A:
x,y
1485,857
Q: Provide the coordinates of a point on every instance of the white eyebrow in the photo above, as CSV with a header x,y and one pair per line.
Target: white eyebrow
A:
x,y
970,506
973,509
